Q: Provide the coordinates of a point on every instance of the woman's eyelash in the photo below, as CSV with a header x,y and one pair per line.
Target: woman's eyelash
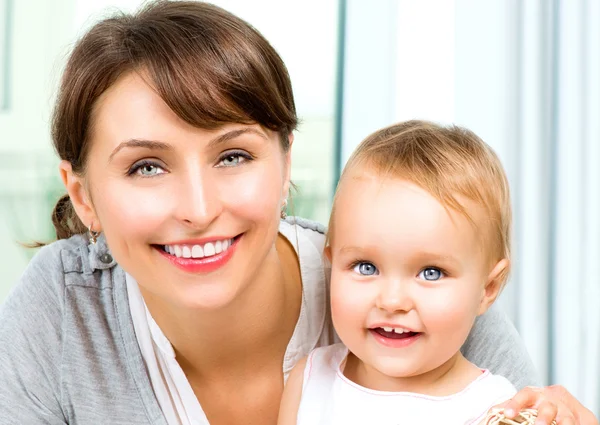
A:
x,y
147,162
239,153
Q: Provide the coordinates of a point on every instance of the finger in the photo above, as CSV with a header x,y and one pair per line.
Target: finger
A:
x,y
586,417
564,416
546,413
580,414
526,398
567,420
502,405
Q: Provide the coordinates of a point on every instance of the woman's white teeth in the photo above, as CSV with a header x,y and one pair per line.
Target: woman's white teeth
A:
x,y
209,249
395,330
199,251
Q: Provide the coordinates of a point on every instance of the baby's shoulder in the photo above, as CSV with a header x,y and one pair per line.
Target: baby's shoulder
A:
x,y
490,390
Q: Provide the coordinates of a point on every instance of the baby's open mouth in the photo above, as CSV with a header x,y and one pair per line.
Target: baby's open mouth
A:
x,y
395,333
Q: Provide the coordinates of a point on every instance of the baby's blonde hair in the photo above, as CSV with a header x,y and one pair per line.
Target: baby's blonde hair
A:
x,y
445,161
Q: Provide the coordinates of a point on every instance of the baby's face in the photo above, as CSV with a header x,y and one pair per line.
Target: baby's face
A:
x,y
408,276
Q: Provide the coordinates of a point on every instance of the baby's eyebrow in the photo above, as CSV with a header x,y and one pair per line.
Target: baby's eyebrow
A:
x,y
350,249
425,256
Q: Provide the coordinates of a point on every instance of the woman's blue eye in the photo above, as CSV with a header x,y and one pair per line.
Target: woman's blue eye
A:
x,y
431,274
146,169
232,160
365,269
149,170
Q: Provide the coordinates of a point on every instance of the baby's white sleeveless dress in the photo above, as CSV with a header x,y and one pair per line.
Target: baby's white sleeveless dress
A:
x,y
329,398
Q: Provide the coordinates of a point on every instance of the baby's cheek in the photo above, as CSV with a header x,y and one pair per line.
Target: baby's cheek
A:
x,y
346,304
339,300
450,314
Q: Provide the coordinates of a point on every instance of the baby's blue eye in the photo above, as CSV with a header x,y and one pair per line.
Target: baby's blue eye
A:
x,y
365,269
431,274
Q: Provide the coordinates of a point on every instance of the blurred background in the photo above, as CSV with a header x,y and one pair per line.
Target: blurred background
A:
x,y
524,75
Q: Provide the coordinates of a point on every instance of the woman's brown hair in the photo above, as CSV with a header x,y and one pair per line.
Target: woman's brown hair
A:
x,y
209,66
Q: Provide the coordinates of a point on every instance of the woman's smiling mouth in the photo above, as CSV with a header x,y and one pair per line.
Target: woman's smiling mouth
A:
x,y
207,249
200,256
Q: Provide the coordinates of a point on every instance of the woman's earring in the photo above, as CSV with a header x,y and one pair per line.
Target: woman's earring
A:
x,y
283,209
93,236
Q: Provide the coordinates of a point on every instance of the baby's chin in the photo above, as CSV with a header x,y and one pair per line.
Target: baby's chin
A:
x,y
400,369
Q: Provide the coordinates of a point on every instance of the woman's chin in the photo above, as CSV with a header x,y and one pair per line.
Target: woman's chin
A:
x,y
211,297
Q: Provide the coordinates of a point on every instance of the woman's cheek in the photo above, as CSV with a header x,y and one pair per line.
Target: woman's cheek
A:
x,y
256,190
127,207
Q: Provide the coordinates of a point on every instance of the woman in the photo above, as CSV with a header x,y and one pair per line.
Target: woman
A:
x,y
174,127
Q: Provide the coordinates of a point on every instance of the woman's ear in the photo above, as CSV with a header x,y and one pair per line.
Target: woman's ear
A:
x,y
493,285
327,252
288,167
78,195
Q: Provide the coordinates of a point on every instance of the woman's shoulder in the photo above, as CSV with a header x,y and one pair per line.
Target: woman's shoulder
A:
x,y
45,271
313,231
67,262
38,318
306,224
32,319
53,257
495,344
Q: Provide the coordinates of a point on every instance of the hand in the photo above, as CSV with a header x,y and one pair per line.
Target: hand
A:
x,y
552,403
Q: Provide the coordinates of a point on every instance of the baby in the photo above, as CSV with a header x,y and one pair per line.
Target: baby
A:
x,y
419,244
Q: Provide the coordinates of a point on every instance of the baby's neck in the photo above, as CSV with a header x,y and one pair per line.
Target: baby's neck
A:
x,y
450,378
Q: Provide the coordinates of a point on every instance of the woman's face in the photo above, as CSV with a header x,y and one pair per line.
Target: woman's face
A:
x,y
191,214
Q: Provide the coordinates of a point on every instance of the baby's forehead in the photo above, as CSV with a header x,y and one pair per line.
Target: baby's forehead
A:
x,y
362,175
457,207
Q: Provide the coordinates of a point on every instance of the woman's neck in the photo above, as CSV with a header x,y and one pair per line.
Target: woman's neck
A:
x,y
256,326
450,378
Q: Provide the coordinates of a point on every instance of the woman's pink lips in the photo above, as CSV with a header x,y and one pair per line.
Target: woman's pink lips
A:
x,y
394,342
202,265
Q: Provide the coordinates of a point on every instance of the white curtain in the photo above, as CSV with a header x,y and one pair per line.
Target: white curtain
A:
x,y
557,190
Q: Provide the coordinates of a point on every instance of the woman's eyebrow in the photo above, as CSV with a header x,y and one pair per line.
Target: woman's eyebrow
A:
x,y
140,143
235,133
157,145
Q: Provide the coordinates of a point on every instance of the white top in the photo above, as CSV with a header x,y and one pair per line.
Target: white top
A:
x,y
171,387
329,398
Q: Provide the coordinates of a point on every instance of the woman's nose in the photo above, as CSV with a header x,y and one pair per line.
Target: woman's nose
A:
x,y
199,202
